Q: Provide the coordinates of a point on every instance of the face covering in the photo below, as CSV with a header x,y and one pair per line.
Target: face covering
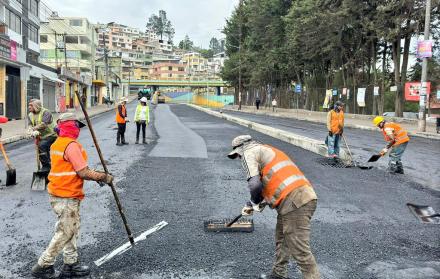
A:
x,y
68,129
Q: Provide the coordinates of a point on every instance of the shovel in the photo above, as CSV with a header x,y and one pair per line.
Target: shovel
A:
x,y
11,176
38,177
374,158
351,156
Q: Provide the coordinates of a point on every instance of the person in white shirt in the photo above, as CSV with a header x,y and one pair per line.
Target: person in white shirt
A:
x,y
142,118
274,104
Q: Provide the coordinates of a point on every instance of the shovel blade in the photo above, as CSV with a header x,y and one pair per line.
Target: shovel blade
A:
x,y
38,181
374,158
11,177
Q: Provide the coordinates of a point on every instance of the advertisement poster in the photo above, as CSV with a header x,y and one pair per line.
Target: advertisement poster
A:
x,y
413,89
335,92
14,50
348,93
376,91
361,97
438,94
344,91
424,49
327,99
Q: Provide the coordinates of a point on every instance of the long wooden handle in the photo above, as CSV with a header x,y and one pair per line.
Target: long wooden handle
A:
x,y
234,220
8,163
101,158
348,148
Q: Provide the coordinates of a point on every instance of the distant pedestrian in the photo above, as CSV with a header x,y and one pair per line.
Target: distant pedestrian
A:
x,y
66,180
275,180
397,138
257,103
121,120
142,118
274,104
335,127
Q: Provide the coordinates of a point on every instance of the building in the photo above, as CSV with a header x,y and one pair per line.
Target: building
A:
x,y
196,65
69,45
114,90
168,71
215,65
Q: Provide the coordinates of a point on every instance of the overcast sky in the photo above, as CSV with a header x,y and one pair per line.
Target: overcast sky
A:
x,y
200,19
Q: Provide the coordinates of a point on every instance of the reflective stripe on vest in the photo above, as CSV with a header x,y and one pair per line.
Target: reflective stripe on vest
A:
x,y
280,177
49,131
400,135
63,180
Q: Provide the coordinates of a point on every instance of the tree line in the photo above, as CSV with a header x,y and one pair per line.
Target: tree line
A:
x,y
327,44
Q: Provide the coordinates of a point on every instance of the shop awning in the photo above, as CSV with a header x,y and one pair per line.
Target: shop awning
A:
x,y
52,79
99,82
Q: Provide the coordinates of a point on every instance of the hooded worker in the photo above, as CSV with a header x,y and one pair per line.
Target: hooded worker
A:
x,y
41,127
335,127
66,180
274,179
121,120
142,118
397,139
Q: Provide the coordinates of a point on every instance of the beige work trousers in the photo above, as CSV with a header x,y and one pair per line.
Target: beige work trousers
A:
x,y
292,239
66,232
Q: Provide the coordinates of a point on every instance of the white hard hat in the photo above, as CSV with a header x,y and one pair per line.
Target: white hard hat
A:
x,y
144,100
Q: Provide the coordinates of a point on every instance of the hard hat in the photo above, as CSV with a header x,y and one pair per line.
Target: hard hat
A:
x,y
68,116
377,120
339,104
237,145
143,100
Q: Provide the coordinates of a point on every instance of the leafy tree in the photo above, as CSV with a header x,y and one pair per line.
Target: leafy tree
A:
x,y
186,43
214,45
161,25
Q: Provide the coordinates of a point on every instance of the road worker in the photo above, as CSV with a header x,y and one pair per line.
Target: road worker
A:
x,y
397,139
66,179
41,128
142,118
121,121
335,127
275,180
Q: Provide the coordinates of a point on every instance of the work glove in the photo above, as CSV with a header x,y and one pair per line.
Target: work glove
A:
x,y
259,207
384,151
247,210
330,134
35,134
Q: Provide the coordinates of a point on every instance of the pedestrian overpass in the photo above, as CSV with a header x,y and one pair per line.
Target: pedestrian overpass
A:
x,y
156,83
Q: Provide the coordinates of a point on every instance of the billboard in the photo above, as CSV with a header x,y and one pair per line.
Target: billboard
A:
x,y
413,90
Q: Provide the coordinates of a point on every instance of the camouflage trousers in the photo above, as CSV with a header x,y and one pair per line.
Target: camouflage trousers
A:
x,y
292,239
66,232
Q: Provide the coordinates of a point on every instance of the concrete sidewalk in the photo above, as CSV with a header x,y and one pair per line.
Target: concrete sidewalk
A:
x,y
351,120
16,130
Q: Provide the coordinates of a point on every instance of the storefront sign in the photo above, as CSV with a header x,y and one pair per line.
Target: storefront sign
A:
x,y
413,90
424,49
361,97
5,47
13,50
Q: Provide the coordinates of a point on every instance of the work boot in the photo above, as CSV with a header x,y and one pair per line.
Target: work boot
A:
x,y
47,272
144,141
74,270
137,141
123,141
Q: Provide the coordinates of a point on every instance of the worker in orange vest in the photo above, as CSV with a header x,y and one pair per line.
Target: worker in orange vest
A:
x,y
121,115
397,139
335,126
66,178
275,180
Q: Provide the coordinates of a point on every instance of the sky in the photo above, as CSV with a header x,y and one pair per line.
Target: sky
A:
x,y
200,19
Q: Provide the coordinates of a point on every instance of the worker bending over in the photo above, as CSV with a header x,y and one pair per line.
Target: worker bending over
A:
x,y
66,180
275,180
397,139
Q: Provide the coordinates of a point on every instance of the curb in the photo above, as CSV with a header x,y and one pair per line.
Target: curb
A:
x,y
355,126
306,143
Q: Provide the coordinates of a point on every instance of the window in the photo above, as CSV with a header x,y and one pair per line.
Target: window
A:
x,y
72,39
33,33
13,21
170,68
43,38
33,7
181,69
75,22
170,75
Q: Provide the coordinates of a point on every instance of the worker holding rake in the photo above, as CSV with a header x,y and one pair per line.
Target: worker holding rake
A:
x,y
275,180
66,178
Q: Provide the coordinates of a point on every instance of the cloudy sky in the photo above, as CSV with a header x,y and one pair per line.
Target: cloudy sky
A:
x,y
200,19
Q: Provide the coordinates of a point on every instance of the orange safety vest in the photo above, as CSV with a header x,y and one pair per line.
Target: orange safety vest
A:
x,y
337,121
64,182
400,135
281,177
119,119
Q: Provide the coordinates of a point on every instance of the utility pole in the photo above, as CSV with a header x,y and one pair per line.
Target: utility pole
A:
x,y
423,95
239,54
106,67
65,50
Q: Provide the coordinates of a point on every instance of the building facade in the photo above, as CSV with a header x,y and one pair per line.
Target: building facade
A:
x,y
168,71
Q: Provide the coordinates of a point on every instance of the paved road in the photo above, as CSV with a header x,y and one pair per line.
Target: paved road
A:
x,y
421,159
362,228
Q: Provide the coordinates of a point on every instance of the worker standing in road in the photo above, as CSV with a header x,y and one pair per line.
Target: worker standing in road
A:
x,y
335,127
121,115
275,180
397,139
66,179
142,118
41,127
